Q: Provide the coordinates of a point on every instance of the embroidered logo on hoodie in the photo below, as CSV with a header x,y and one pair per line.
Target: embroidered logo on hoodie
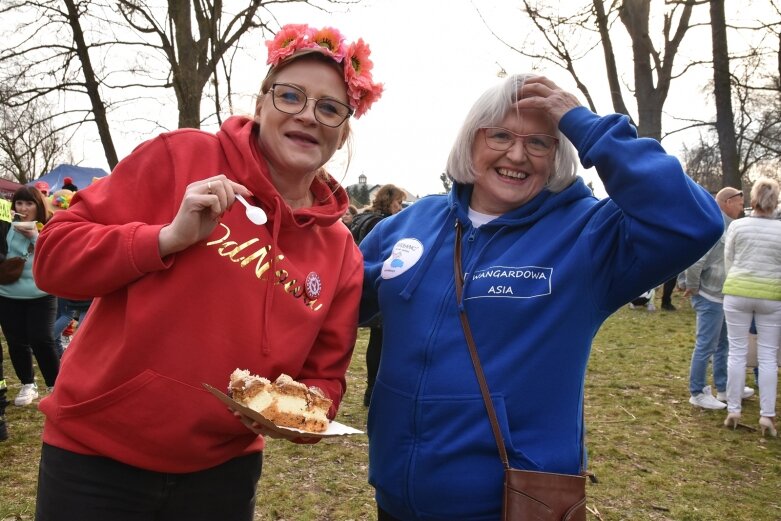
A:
x,y
405,254
510,282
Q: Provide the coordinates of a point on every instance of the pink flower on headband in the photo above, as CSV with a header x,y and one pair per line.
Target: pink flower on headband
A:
x,y
287,41
357,73
358,52
331,40
354,58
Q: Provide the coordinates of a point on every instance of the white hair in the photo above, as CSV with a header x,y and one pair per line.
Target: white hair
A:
x,y
489,110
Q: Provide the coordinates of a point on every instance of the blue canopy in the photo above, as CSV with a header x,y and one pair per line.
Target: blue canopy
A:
x,y
82,176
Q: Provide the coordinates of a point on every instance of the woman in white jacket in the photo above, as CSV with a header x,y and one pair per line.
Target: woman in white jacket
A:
x,y
752,255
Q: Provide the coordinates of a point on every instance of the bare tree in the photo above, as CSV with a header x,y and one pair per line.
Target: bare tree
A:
x,y
29,146
73,53
653,69
722,91
48,53
757,128
192,48
703,164
91,84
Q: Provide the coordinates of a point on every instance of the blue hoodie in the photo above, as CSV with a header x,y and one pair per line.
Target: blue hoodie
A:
x,y
539,282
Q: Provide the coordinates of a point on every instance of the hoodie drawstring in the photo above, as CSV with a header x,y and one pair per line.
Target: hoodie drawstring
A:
x,y
276,227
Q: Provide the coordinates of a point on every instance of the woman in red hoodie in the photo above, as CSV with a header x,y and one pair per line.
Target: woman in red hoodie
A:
x,y
188,289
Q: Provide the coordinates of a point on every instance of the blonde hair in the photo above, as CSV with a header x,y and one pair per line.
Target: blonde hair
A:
x,y
764,195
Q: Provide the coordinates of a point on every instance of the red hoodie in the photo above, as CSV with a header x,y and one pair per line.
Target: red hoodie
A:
x,y
277,298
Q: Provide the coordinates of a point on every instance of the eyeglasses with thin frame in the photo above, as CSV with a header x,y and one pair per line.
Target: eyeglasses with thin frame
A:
x,y
739,194
292,100
502,140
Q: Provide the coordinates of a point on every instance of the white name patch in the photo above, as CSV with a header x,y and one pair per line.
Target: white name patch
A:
x,y
406,253
510,282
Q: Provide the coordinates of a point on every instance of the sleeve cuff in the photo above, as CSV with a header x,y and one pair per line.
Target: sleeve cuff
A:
x,y
145,249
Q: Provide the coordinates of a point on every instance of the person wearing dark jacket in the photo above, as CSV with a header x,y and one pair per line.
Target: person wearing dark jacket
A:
x,y
67,184
543,263
387,201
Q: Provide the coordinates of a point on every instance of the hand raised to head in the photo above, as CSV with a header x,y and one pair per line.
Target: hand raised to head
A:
x,y
538,92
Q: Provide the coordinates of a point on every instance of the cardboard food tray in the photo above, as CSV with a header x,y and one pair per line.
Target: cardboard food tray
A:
x,y
334,428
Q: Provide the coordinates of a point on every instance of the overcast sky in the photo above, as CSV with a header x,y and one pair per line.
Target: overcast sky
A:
x,y
434,57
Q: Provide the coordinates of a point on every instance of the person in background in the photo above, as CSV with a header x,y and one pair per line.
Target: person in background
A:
x,y
667,294
544,263
187,289
27,312
752,258
42,187
703,282
68,310
387,201
67,184
349,215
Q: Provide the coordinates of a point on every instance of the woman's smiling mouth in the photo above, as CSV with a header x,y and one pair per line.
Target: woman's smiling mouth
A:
x,y
512,174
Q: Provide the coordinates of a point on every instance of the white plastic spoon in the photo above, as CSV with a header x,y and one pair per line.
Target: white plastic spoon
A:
x,y
254,214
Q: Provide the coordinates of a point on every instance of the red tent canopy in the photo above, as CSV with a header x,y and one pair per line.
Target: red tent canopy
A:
x,y
7,188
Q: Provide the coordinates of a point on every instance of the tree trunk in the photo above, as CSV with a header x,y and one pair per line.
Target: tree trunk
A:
x,y
187,85
92,85
610,59
648,62
725,119
634,15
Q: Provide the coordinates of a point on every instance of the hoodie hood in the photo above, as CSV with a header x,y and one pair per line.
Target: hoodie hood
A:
x,y
238,137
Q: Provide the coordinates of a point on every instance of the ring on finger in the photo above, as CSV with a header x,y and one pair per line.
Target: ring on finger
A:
x,y
209,187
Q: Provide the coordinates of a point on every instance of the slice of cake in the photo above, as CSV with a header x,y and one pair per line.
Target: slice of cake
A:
x,y
285,402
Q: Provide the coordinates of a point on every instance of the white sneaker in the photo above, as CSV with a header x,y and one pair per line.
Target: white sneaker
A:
x,y
27,394
748,392
706,400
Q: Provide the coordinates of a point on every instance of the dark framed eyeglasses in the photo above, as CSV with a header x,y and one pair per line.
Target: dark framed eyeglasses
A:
x,y
292,100
502,140
739,194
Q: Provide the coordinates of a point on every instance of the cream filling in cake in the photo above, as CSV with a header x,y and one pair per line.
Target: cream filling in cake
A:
x,y
286,402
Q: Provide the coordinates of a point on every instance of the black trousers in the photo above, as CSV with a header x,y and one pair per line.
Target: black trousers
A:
x,y
3,387
667,290
92,488
28,326
384,516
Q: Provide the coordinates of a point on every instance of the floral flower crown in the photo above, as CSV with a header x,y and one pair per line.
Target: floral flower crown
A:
x,y
354,57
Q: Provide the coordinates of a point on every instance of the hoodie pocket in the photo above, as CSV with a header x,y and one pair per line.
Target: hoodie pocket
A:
x,y
390,428
457,471
153,421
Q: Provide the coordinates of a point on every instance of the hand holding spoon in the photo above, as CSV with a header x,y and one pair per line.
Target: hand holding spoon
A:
x,y
254,214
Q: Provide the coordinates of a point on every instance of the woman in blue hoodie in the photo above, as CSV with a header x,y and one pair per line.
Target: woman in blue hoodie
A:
x,y
544,264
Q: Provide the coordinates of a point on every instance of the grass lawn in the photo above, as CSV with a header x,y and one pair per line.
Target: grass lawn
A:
x,y
656,456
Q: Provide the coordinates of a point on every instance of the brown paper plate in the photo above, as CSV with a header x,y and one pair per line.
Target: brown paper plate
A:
x,y
334,428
